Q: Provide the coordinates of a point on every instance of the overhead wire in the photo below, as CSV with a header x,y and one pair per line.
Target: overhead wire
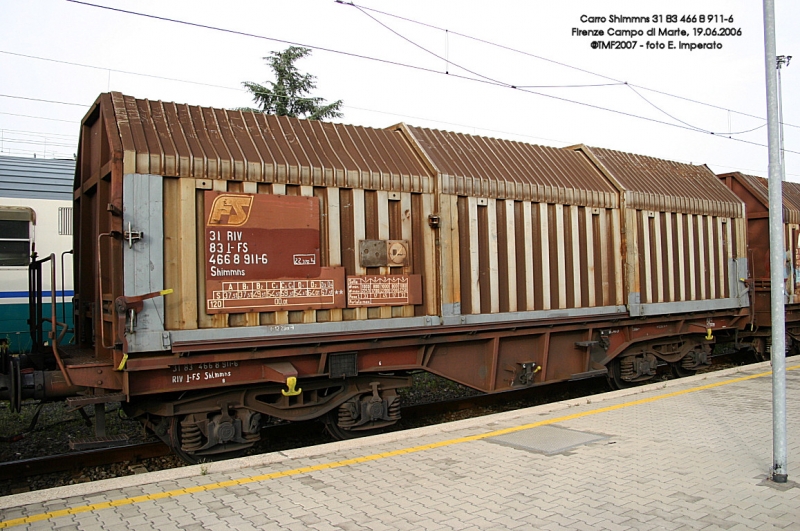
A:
x,y
690,125
699,129
553,61
415,67
44,101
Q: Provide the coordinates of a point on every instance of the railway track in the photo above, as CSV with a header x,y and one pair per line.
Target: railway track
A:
x,y
287,436
413,416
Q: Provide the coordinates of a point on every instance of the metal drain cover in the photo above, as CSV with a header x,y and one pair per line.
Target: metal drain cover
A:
x,y
546,439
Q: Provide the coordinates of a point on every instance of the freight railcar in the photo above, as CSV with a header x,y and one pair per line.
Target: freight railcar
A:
x,y
233,268
754,192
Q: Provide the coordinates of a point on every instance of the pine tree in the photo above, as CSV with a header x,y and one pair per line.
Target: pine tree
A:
x,y
287,95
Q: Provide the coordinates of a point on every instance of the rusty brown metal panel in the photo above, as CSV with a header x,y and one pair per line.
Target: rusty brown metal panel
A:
x,y
663,185
180,141
209,150
489,167
536,245
154,148
214,129
523,248
286,163
302,150
754,191
161,132
502,255
240,134
262,153
187,141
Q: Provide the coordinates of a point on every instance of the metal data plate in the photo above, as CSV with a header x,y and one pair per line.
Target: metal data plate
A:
x,y
326,291
384,290
253,239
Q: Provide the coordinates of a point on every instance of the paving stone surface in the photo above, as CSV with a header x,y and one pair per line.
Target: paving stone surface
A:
x,y
682,456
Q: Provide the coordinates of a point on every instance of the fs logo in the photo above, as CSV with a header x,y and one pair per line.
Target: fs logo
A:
x,y
230,210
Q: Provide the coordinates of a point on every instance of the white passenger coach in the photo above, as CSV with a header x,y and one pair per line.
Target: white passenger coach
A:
x,y
35,221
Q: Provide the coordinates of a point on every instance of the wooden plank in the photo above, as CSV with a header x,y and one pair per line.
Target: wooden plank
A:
x,y
561,259
722,256
511,253
204,320
359,233
494,269
590,267
219,320
180,253
616,238
334,238
712,258
730,246
670,258
659,257
679,223
632,239
427,246
741,236
702,251
605,265
449,271
406,233
527,227
474,258
576,255
645,257
384,312
544,234
691,278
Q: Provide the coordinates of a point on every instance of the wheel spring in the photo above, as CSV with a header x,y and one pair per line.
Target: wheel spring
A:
x,y
347,415
191,436
394,409
688,362
626,369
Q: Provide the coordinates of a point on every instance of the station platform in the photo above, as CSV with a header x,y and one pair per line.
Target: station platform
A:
x,y
685,454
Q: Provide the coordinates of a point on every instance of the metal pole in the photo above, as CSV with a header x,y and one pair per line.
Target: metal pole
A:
x,y
783,60
777,260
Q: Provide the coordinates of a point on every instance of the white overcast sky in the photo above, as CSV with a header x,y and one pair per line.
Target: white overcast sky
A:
x,y
38,38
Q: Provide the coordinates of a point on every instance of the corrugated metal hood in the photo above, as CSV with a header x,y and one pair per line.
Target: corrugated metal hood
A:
x,y
663,185
478,166
182,140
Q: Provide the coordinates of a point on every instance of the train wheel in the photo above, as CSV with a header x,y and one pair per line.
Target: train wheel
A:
x,y
174,442
333,428
679,372
368,414
614,374
629,371
185,434
759,346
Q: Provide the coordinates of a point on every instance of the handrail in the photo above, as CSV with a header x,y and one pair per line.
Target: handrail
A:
x,y
63,297
54,339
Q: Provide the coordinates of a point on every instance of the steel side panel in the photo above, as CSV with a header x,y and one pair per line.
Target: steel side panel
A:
x,y
533,316
143,206
665,308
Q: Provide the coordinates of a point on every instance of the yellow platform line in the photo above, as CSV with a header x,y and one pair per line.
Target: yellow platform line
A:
x,y
365,459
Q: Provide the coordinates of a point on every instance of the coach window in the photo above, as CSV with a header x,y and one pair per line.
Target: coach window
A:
x,y
16,234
